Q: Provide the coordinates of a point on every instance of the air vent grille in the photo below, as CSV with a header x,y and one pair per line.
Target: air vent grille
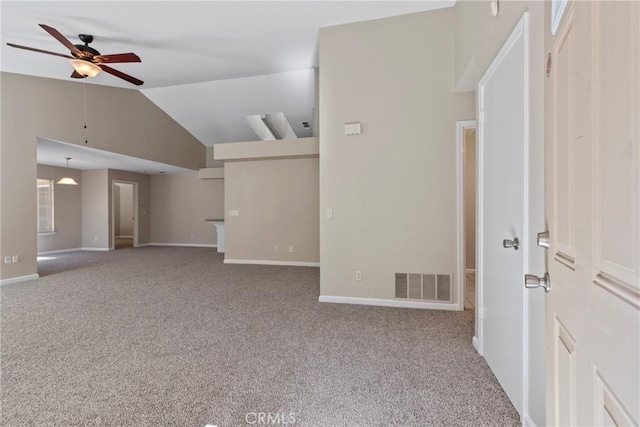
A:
x,y
424,287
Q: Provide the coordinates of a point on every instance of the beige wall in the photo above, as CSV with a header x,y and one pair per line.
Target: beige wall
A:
x,y
119,120
123,210
278,205
116,209
67,210
95,209
479,37
180,203
211,163
393,188
470,198
263,150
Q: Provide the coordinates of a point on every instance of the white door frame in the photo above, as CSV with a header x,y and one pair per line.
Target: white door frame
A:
x,y
460,264
135,212
520,30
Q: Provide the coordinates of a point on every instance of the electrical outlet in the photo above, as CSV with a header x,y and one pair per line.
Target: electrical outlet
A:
x,y
359,275
95,238
234,212
191,236
276,248
7,259
329,213
291,249
15,258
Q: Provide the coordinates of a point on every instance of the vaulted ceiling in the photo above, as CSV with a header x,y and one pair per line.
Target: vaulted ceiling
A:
x,y
206,63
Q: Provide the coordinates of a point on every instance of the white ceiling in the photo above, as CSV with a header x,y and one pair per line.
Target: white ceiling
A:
x,y
183,42
215,111
54,153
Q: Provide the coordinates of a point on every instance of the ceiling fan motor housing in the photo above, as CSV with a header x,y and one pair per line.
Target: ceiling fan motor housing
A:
x,y
87,52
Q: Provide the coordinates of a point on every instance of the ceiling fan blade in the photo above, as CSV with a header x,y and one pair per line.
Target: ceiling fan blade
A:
x,y
120,74
62,39
76,75
40,50
117,57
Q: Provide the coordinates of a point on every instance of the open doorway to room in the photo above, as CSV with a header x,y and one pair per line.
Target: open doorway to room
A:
x,y
469,162
466,148
124,224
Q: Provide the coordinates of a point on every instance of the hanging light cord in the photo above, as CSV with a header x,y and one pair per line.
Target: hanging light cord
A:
x,y
85,110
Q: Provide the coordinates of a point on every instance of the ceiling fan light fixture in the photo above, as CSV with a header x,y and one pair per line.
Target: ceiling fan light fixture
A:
x,y
85,68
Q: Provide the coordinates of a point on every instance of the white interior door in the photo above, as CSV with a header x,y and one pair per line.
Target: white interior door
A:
x,y
592,170
502,196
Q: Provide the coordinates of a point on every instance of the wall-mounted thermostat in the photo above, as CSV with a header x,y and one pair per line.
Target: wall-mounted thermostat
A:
x,y
352,128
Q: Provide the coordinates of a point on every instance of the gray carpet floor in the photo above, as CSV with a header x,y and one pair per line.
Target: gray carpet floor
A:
x,y
172,336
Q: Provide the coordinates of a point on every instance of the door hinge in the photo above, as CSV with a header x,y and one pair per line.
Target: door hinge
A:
x,y
481,117
481,313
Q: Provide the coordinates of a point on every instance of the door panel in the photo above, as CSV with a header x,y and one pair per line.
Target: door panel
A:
x,y
565,368
502,145
564,144
593,207
616,164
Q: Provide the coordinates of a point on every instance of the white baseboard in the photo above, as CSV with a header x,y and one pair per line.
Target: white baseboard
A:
x,y
96,249
59,251
470,270
124,237
388,303
141,245
19,279
267,262
476,344
527,421
186,245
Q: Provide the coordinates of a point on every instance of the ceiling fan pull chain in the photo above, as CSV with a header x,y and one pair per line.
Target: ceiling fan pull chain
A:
x,y
86,141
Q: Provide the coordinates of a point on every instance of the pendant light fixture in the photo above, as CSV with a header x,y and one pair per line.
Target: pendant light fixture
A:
x,y
67,180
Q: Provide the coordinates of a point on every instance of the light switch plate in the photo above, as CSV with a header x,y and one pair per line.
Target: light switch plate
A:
x,y
234,212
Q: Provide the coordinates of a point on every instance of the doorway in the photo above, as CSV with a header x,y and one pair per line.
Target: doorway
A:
x,y
469,161
124,206
466,159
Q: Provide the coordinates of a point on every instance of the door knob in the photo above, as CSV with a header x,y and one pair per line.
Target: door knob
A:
x,y
532,281
515,243
543,240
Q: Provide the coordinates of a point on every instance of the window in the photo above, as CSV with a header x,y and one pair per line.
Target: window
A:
x,y
45,205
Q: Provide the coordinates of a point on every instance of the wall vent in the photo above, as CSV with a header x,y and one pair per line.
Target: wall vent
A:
x,y
424,287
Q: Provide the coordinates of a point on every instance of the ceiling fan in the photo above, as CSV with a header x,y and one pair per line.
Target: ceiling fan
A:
x,y
87,61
